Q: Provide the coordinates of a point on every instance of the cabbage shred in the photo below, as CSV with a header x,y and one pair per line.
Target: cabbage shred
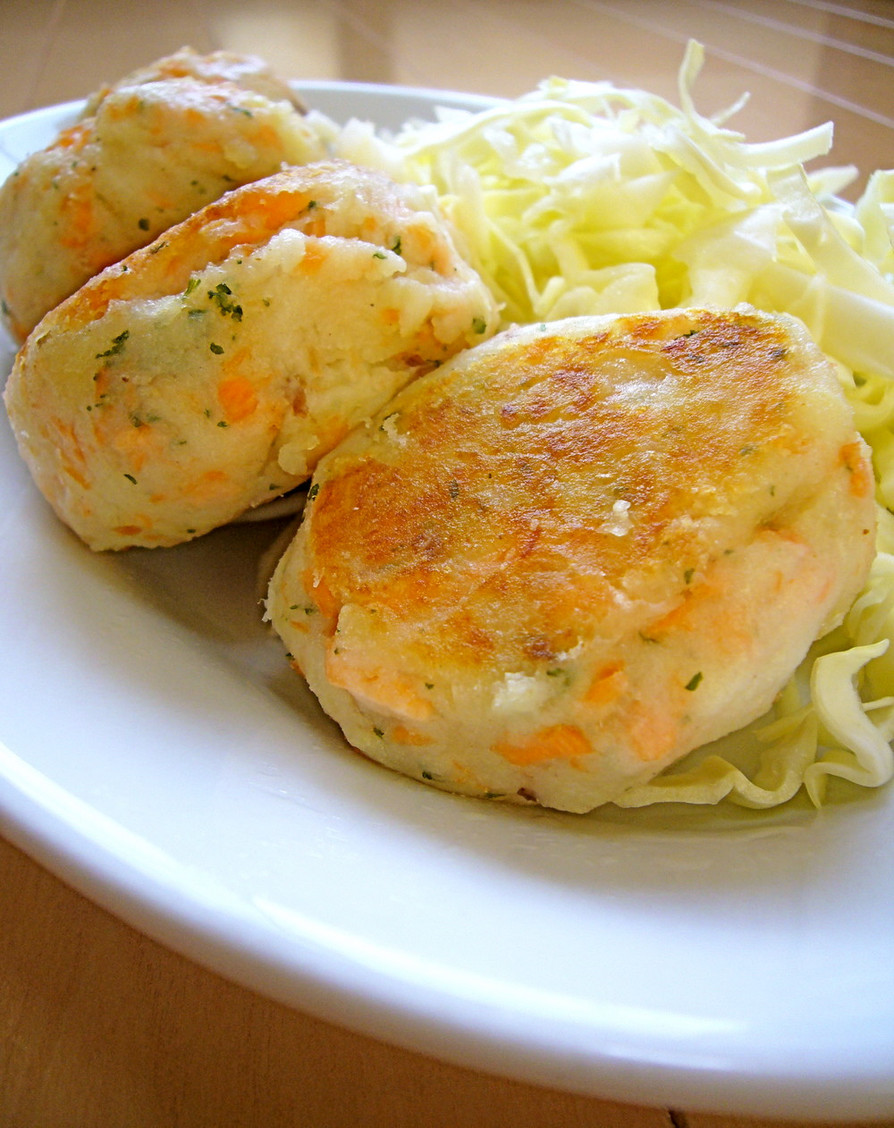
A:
x,y
586,198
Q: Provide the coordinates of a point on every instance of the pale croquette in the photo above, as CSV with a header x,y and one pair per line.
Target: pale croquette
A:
x,y
251,72
152,150
207,373
578,551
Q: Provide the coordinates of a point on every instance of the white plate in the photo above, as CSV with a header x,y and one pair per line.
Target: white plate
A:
x,y
158,755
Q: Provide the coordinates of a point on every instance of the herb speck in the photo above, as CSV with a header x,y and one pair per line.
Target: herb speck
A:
x,y
116,346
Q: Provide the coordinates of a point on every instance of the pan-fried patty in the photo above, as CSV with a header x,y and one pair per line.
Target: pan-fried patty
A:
x,y
206,374
580,550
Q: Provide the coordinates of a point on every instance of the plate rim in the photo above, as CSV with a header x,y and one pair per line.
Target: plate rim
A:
x,y
58,836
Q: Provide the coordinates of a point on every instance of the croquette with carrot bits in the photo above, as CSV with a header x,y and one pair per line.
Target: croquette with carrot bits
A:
x,y
206,374
145,154
578,551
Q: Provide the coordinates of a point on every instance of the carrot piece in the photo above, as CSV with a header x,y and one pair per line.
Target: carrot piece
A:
x,y
404,735
384,689
608,684
653,733
323,595
210,486
74,138
72,458
315,255
557,742
237,398
857,465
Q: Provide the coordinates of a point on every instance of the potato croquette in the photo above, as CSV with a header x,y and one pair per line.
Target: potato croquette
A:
x,y
150,151
207,373
578,551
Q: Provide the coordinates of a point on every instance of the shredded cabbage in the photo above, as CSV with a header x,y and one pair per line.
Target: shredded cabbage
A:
x,y
582,198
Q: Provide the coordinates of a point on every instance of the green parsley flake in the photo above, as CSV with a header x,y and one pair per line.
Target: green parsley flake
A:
x,y
116,346
222,294
694,681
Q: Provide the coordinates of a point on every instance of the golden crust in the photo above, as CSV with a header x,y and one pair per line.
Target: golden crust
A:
x,y
580,550
207,373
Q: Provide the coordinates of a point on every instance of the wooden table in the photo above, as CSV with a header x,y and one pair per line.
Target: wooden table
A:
x,y
100,1025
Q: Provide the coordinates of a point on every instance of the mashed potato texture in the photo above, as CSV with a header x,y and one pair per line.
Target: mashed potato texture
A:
x,y
207,373
147,152
580,550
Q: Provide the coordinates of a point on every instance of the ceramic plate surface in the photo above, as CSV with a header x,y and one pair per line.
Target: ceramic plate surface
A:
x,y
157,753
